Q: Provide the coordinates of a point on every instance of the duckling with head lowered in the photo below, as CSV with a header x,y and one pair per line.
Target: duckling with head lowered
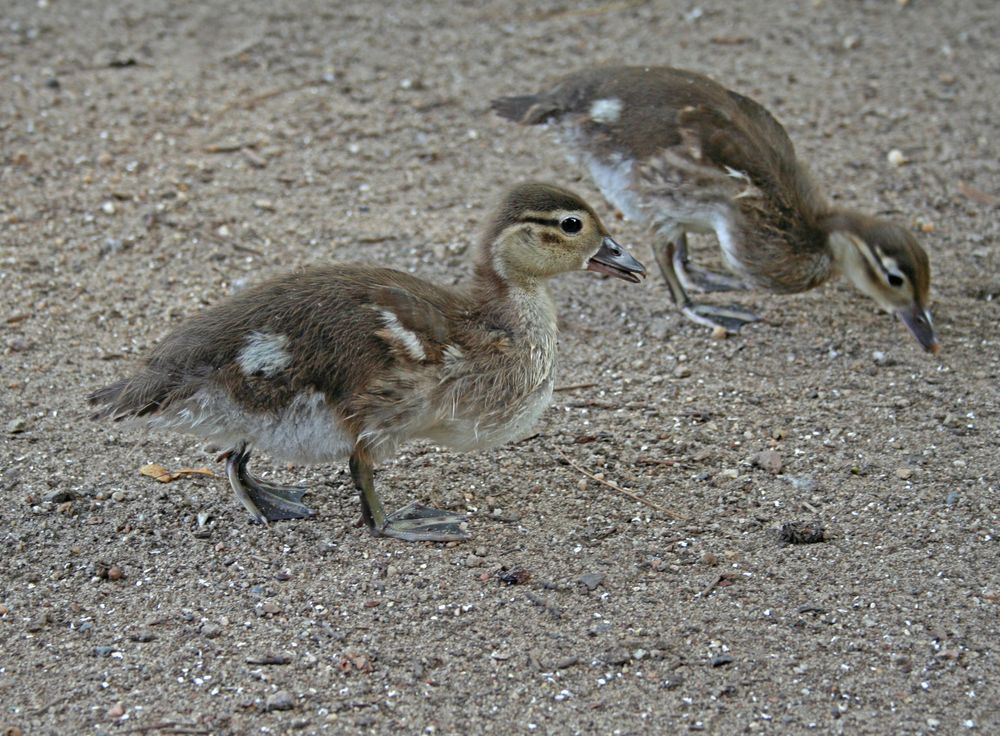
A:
x,y
677,150
350,361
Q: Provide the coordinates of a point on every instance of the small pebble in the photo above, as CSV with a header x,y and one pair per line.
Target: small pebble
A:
x,y
802,532
896,157
591,580
270,658
58,496
280,700
681,372
802,483
519,576
116,711
115,573
719,333
768,460
721,660
108,208
210,630
904,473
17,426
616,657
119,496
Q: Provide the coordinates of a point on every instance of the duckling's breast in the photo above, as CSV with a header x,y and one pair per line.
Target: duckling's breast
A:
x,y
494,399
768,258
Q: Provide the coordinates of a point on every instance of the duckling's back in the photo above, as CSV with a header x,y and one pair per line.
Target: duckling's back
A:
x,y
325,329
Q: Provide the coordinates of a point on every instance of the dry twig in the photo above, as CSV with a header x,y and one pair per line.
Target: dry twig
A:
x,y
574,387
624,491
584,12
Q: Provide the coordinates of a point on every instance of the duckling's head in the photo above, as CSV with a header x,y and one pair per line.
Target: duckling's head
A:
x,y
540,231
886,262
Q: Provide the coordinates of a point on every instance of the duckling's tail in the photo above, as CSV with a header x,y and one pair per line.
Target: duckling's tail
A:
x,y
525,109
130,397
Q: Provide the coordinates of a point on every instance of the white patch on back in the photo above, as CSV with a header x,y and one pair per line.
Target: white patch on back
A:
x,y
264,353
606,110
408,338
614,178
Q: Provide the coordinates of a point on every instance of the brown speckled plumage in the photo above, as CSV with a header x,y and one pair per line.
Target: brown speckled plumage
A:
x,y
352,359
677,150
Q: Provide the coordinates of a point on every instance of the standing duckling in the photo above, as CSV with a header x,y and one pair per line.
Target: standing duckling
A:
x,y
350,361
677,150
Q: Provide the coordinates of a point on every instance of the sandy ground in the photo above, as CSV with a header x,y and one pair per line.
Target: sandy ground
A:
x,y
157,155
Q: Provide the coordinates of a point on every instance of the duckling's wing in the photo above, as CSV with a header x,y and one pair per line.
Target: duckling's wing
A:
x,y
713,137
415,328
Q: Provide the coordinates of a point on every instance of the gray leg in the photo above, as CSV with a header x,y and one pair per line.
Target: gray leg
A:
x,y
695,278
730,318
412,523
265,501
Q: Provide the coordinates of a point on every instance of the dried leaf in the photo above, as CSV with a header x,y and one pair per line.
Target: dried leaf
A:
x,y
161,474
158,472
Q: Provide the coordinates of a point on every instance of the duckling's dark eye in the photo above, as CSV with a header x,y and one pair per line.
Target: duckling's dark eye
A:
x,y
895,280
571,225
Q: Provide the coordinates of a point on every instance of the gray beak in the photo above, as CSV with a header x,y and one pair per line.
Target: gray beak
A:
x,y
615,261
918,321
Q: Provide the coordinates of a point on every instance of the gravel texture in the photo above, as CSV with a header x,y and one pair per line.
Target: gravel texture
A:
x,y
156,156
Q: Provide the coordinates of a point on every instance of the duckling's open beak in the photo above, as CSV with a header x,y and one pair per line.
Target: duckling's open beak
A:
x,y
615,261
918,321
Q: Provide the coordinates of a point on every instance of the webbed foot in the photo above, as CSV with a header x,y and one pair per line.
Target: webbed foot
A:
x,y
264,500
412,523
417,523
730,318
695,278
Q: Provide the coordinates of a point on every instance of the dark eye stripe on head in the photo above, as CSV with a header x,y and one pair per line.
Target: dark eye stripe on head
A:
x,y
541,221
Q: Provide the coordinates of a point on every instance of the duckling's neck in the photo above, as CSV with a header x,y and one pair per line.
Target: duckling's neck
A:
x,y
521,303
847,260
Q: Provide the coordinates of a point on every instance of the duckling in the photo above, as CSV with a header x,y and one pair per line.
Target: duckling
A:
x,y
681,152
352,360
